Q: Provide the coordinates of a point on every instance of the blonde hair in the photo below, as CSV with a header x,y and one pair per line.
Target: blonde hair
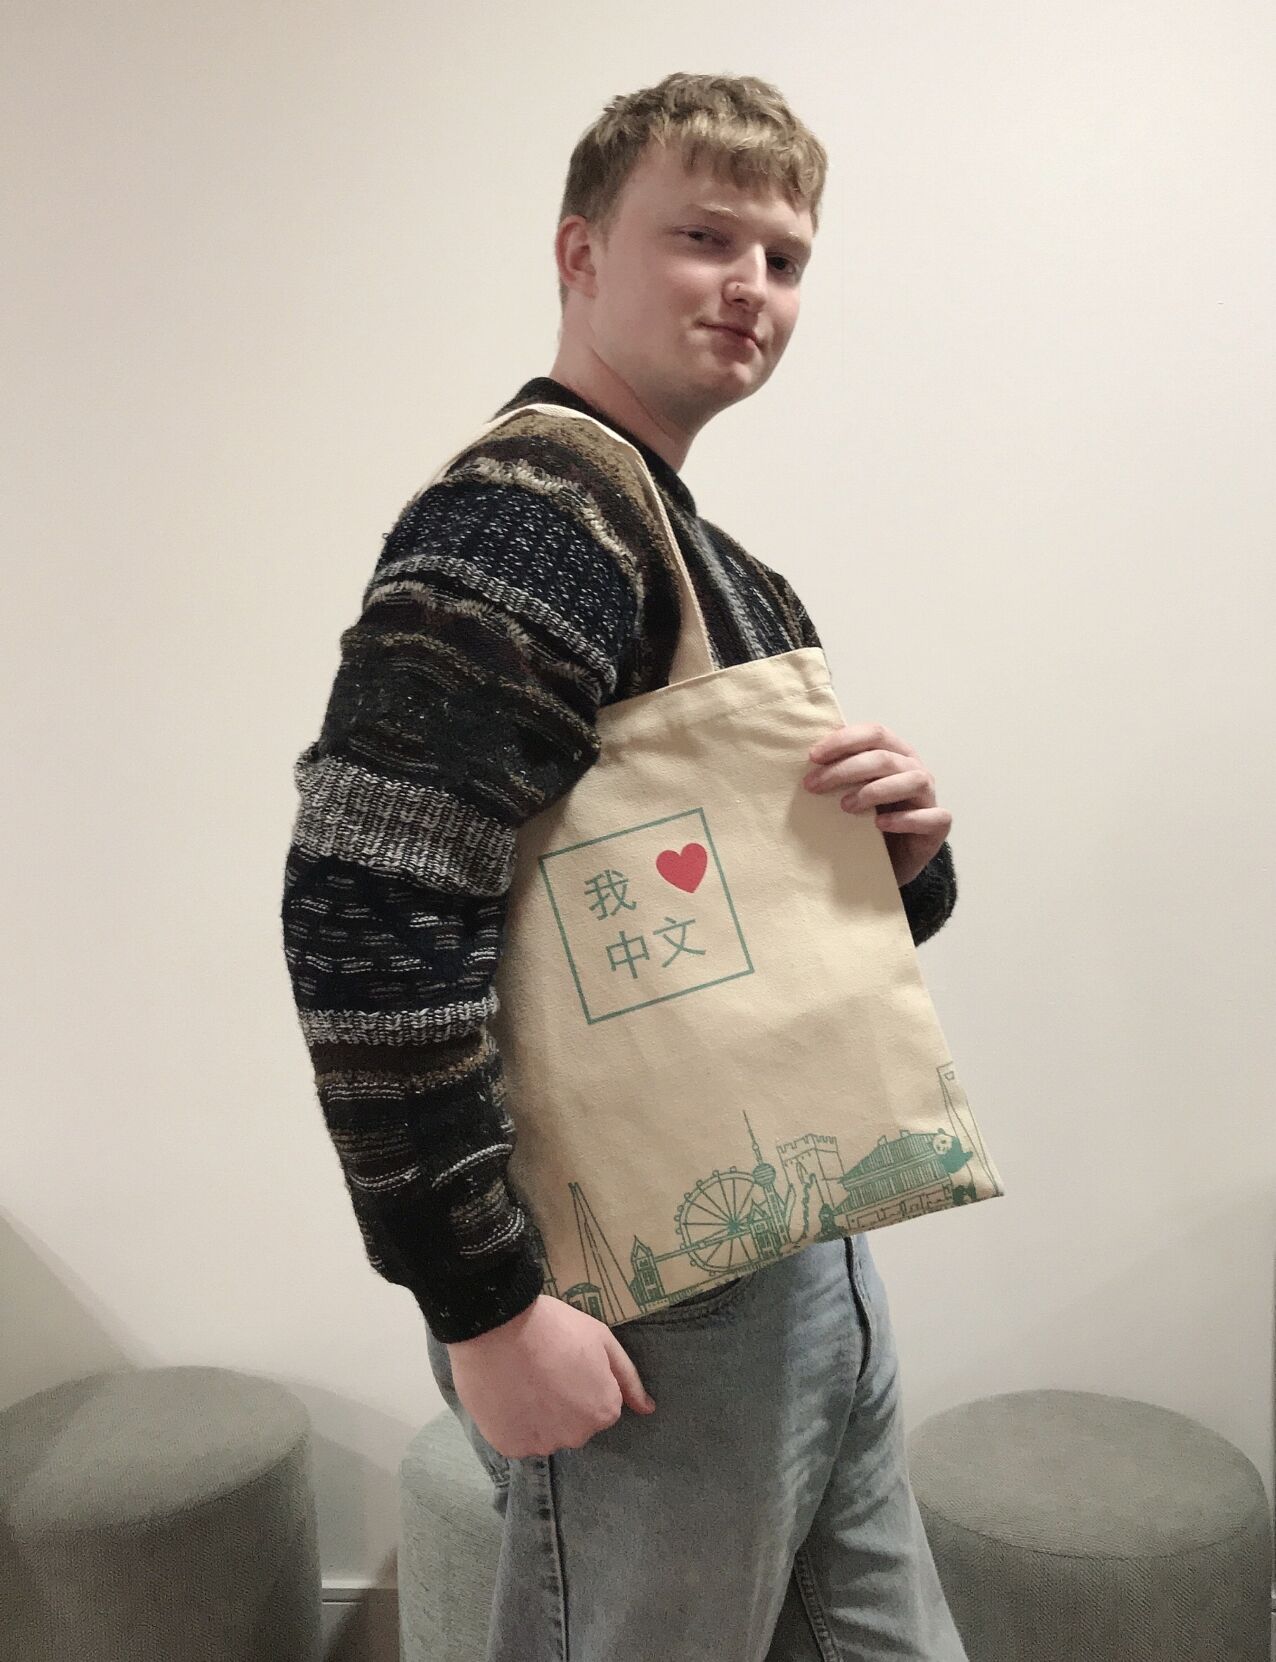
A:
x,y
739,125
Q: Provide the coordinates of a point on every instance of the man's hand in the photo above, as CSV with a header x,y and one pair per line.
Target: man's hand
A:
x,y
548,1379
884,776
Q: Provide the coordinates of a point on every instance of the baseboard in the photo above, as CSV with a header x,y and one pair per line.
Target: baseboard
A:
x,y
360,1622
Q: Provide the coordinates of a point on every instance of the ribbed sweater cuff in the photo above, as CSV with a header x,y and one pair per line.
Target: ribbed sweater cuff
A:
x,y
461,1308
929,897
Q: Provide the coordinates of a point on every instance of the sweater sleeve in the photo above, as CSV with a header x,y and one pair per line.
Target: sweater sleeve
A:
x,y
928,898
493,628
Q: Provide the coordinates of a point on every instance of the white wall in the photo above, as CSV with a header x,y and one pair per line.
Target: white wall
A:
x,y
273,260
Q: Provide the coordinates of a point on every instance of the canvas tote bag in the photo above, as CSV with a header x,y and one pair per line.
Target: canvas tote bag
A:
x,y
717,1044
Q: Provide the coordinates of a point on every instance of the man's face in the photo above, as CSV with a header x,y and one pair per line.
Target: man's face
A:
x,y
672,273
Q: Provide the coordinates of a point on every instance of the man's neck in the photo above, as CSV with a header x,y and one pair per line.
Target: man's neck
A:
x,y
592,380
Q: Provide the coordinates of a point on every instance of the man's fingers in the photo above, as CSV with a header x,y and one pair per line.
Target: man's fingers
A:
x,y
855,738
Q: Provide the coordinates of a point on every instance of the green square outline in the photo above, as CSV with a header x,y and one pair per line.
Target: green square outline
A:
x,y
700,986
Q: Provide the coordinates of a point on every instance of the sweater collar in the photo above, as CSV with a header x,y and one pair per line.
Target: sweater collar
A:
x,y
543,389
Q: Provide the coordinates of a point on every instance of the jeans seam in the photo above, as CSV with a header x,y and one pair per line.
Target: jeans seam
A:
x,y
830,1651
546,1464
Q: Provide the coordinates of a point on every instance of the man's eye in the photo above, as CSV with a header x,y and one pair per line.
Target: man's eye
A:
x,y
790,263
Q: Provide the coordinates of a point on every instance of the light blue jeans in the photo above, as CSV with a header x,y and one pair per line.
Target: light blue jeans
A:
x,y
763,1513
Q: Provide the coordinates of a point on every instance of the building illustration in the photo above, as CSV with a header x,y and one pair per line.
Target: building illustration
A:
x,y
737,1218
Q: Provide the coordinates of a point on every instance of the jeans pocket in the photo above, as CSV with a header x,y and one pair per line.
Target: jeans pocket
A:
x,y
708,1302
496,1463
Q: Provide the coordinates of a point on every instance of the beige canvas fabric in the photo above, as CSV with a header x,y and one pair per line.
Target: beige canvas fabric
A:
x,y
718,1047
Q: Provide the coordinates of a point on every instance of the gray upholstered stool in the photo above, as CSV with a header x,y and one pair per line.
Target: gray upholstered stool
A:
x,y
160,1515
1066,1524
449,1545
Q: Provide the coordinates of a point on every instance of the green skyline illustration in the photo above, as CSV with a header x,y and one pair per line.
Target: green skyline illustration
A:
x,y
738,1218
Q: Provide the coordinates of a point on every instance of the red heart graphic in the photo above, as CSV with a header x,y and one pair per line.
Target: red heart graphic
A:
x,y
683,870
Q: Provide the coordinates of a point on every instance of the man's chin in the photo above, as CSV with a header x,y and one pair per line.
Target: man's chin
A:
x,y
732,388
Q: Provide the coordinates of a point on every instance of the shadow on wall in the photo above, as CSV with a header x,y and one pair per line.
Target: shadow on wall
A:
x,y
55,1329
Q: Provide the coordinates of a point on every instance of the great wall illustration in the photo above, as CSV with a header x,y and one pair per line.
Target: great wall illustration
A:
x,y
737,1217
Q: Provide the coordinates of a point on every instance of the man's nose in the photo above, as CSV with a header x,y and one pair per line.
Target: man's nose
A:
x,y
749,273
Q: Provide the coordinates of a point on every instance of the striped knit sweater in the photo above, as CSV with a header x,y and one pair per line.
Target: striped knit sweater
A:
x,y
511,600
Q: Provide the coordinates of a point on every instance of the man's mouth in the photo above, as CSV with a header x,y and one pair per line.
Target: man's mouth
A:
x,y
726,329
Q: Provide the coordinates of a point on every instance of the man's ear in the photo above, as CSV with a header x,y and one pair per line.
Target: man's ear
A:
x,y
574,254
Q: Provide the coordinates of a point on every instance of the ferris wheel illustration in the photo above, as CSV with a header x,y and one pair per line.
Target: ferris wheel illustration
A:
x,y
715,1220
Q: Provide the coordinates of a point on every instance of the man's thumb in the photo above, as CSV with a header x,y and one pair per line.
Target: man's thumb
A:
x,y
626,1376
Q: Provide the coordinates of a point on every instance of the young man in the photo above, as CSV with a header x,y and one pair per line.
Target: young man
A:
x,y
759,1509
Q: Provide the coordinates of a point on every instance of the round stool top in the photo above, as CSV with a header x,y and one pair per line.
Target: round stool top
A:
x,y
119,1447
1073,1471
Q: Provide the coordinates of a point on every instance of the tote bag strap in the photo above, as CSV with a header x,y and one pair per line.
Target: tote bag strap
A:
x,y
693,655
